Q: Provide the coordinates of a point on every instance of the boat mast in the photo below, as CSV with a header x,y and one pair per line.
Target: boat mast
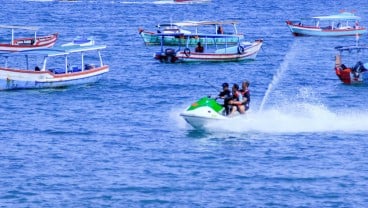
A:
x,y
82,57
99,55
44,63
66,64
235,29
27,62
12,36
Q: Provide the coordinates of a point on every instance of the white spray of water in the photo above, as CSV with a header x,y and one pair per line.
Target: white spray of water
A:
x,y
295,118
277,77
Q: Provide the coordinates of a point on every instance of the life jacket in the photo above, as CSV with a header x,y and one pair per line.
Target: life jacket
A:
x,y
238,96
247,95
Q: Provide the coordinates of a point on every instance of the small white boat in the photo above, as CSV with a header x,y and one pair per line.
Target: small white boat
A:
x,y
211,53
60,67
81,41
29,43
341,24
353,72
203,111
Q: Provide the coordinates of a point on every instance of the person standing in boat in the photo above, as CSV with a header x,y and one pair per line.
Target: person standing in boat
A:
x,y
220,30
226,95
199,48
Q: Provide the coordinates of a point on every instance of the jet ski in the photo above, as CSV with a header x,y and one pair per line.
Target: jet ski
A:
x,y
203,111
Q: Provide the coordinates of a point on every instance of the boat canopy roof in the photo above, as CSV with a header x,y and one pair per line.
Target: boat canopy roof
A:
x,y
199,35
197,23
341,16
351,48
55,51
34,28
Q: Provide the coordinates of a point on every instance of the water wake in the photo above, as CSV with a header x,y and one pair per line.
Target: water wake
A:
x,y
296,118
281,70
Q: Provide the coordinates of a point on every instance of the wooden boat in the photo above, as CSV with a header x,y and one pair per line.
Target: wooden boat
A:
x,y
351,73
211,53
342,24
61,67
191,28
29,43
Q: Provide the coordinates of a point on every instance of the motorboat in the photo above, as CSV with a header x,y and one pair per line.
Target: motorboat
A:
x,y
28,43
243,50
353,69
190,29
203,111
341,24
61,67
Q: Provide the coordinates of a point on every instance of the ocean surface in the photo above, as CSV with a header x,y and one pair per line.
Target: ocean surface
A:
x,y
121,142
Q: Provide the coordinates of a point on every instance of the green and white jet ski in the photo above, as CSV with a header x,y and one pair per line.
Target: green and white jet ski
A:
x,y
203,111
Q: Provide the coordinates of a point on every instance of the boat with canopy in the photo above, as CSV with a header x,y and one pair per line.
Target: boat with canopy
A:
x,y
341,24
243,50
49,68
191,29
354,68
28,43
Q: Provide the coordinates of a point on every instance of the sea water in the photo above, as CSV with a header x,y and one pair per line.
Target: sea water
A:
x,y
121,142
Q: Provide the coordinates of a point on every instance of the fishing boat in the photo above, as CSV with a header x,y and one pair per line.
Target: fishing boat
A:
x,y
61,67
243,50
203,111
191,29
29,43
341,24
355,71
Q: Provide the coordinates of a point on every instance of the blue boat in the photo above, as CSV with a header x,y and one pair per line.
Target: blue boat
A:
x,y
180,32
342,24
60,67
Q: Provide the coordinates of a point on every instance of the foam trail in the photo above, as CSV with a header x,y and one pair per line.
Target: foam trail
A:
x,y
296,118
277,77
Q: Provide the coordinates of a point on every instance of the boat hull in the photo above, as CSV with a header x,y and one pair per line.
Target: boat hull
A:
x,y
23,44
26,79
200,117
235,53
249,53
315,31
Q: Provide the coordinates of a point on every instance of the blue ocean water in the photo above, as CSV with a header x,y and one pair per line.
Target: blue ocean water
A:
x,y
121,142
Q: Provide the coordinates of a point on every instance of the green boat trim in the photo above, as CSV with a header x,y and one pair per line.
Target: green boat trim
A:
x,y
206,101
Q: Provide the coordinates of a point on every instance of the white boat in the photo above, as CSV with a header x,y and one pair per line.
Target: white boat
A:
x,y
60,67
191,29
28,43
212,53
203,111
342,24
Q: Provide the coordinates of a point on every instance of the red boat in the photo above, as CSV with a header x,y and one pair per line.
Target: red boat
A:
x,y
347,73
28,43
